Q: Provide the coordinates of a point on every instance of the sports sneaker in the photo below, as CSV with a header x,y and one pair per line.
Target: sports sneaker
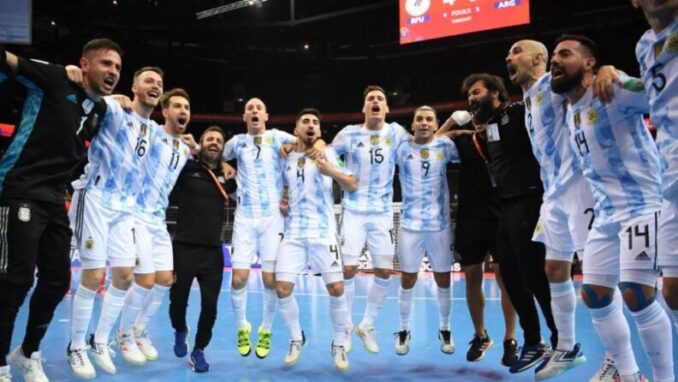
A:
x,y
559,362
145,345
367,335
530,356
80,363
348,342
103,355
5,374
244,343
479,345
180,344
510,352
637,377
402,342
263,343
31,368
446,342
292,356
607,372
340,357
128,347
198,361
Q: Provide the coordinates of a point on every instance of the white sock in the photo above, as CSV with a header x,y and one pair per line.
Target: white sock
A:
x,y
134,300
444,307
654,329
349,293
563,305
614,332
114,299
83,303
375,300
150,308
270,308
289,310
405,307
239,302
338,314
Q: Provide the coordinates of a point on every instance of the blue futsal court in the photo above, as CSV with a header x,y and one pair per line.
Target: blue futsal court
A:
x,y
424,362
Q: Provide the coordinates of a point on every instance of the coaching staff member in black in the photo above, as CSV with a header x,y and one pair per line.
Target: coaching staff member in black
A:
x,y
200,193
519,188
48,145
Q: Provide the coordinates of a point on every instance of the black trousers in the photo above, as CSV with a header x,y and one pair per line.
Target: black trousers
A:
x,y
32,233
522,265
205,263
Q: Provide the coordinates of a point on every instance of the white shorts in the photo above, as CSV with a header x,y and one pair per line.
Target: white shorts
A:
x,y
256,236
565,220
376,230
628,246
154,247
413,244
668,235
323,255
100,233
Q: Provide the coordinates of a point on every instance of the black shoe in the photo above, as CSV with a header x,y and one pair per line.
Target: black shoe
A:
x,y
530,356
510,352
478,347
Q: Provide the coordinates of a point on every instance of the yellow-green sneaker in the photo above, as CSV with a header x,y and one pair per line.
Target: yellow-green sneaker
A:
x,y
263,343
244,343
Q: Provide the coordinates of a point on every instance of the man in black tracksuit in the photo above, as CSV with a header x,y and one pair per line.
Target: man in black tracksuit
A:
x,y
520,190
200,194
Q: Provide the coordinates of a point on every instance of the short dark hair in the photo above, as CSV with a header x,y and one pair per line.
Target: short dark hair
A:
x,y
586,42
370,88
308,110
492,83
213,128
101,43
176,92
149,69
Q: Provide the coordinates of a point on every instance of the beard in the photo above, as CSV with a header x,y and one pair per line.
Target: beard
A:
x,y
566,82
206,157
482,109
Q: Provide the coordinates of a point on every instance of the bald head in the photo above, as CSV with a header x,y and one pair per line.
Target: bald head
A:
x,y
526,62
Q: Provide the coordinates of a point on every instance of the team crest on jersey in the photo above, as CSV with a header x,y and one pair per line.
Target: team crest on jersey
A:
x,y
143,129
268,140
539,99
424,153
24,214
257,141
301,162
175,144
89,244
439,155
672,43
528,103
374,139
592,117
577,120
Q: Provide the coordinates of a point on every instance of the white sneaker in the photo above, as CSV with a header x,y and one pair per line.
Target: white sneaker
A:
x,y
367,335
446,342
5,375
340,358
292,356
128,348
80,363
607,372
348,342
31,368
402,342
145,345
103,355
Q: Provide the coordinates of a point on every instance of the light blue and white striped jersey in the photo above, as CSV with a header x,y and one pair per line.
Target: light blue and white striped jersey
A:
x,y
657,54
113,174
545,122
423,179
311,205
370,156
616,151
166,158
259,178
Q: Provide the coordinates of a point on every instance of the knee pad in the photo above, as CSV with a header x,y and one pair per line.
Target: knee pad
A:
x,y
641,301
595,301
